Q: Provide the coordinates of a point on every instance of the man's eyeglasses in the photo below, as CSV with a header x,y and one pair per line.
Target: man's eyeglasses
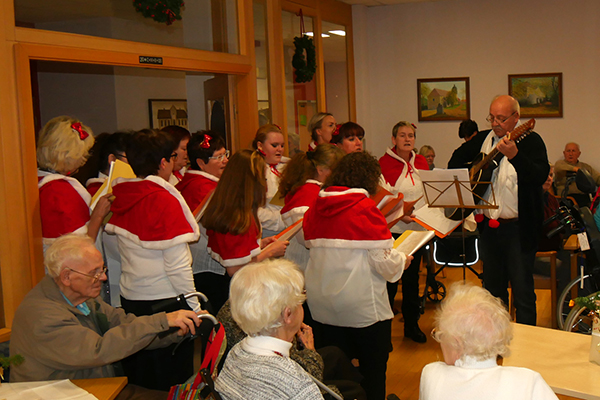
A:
x,y
95,274
121,155
220,157
490,118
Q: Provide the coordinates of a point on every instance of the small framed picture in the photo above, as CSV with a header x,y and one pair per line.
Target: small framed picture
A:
x,y
539,95
165,112
443,99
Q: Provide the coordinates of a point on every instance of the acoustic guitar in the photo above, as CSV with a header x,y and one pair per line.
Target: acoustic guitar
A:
x,y
482,168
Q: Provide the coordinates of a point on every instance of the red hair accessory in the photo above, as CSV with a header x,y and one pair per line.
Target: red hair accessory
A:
x,y
479,218
337,130
206,142
261,152
494,223
414,126
278,127
77,128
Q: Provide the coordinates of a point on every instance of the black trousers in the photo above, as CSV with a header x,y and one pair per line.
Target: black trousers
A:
x,y
505,260
157,369
215,287
370,345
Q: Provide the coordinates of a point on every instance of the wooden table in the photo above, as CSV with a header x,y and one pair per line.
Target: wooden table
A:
x,y
102,388
562,358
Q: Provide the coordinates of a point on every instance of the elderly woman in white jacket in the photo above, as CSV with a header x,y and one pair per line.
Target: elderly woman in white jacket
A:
x,y
473,329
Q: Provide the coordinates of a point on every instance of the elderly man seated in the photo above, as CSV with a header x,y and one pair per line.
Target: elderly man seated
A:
x,y
570,165
473,328
65,331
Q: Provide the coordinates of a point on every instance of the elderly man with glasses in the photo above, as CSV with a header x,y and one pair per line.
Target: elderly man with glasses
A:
x,y
509,234
65,331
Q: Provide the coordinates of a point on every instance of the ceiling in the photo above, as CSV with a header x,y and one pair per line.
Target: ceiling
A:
x,y
372,3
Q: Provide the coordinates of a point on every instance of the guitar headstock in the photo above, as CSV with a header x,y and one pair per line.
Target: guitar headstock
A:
x,y
522,130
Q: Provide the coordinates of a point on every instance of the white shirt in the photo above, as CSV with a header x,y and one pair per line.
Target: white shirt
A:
x,y
504,184
482,380
270,215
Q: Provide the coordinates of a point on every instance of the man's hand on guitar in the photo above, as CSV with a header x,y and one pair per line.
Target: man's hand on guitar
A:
x,y
507,147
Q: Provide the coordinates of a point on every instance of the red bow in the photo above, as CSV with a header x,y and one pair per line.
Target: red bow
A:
x,y
261,152
77,128
414,127
206,142
337,130
278,127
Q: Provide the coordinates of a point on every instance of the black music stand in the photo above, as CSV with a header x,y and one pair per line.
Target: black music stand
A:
x,y
451,194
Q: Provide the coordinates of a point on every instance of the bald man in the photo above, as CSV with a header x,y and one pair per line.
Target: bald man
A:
x,y
508,250
570,165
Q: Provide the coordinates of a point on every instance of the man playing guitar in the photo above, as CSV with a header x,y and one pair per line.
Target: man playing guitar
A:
x,y
509,233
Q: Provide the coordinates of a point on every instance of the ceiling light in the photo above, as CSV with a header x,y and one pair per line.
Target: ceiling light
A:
x,y
338,32
325,35
309,34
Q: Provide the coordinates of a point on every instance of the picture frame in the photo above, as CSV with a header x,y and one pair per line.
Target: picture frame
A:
x,y
443,99
539,95
165,112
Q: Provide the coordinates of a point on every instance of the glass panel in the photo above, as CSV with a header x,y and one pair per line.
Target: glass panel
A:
x,y
205,24
261,51
300,98
336,71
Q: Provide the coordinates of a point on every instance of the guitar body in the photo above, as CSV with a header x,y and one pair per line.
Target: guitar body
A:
x,y
481,169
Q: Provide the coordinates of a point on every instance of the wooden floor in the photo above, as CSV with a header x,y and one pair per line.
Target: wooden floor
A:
x,y
408,358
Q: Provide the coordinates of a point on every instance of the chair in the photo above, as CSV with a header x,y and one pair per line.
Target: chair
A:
x,y
543,282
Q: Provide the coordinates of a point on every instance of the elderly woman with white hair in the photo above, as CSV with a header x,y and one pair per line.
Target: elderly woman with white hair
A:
x,y
473,329
266,302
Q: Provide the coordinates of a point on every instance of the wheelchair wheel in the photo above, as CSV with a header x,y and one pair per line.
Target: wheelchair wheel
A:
x,y
436,293
562,306
579,321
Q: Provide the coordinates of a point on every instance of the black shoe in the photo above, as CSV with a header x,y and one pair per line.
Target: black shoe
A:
x,y
414,332
392,397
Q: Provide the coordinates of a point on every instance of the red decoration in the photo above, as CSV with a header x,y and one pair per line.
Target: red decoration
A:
x,y
337,130
166,11
77,128
206,142
479,218
494,223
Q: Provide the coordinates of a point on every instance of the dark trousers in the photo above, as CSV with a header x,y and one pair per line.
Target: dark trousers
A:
x,y
215,287
410,289
157,369
370,345
505,260
339,371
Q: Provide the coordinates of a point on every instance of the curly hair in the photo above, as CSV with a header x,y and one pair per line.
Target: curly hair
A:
x,y
473,322
303,166
60,147
356,170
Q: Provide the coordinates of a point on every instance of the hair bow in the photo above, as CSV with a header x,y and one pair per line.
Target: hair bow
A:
x,y
206,142
278,127
414,127
337,130
77,128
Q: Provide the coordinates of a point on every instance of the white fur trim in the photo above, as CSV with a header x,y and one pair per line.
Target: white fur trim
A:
x,y
94,180
351,244
294,215
235,262
204,174
323,193
50,177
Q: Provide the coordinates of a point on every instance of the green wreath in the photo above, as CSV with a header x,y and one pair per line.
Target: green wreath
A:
x,y
166,11
305,67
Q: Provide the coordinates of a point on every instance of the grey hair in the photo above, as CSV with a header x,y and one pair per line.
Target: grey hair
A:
x,y
69,247
474,322
576,144
260,292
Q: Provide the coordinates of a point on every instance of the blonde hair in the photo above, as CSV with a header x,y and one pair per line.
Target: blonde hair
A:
x,y
69,247
316,122
60,147
400,125
260,292
473,322
263,132
425,148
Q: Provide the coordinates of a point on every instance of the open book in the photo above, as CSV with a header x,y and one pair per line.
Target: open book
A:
x,y
199,211
411,241
118,169
288,233
391,205
433,218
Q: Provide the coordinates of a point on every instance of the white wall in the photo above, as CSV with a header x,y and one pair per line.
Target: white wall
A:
x,y
485,40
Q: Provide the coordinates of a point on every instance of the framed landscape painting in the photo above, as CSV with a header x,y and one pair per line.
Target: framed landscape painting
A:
x,y
539,95
443,99
165,112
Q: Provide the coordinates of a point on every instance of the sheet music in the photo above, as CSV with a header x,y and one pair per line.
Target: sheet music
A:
x,y
436,185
